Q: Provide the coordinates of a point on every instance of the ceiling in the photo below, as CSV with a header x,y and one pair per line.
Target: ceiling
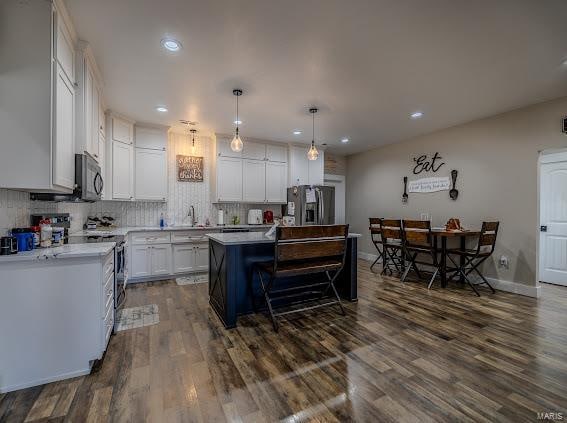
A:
x,y
366,64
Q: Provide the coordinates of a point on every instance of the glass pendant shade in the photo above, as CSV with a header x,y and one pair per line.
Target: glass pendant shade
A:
x,y
236,143
312,154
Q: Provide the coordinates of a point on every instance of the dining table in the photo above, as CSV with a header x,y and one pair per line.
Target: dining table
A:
x,y
444,234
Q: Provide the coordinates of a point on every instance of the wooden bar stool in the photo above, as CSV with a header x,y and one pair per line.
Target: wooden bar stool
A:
x,y
302,251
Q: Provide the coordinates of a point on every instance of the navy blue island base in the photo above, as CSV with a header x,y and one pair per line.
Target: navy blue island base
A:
x,y
234,288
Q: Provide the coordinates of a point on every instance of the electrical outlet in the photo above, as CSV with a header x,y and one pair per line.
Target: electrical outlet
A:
x,y
504,262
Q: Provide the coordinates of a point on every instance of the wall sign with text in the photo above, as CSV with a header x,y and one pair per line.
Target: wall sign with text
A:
x,y
432,184
189,168
425,163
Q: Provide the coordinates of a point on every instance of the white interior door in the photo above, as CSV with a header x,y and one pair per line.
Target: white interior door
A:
x,y
338,181
553,222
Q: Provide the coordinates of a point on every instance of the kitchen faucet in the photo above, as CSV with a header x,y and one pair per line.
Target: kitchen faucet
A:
x,y
191,214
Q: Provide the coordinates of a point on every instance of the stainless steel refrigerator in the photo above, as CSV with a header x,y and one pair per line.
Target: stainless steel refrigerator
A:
x,y
312,205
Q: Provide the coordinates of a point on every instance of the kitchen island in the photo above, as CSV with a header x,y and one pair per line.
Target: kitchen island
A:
x,y
234,288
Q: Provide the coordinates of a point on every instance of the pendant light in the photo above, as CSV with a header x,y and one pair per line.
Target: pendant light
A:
x,y
312,154
236,143
193,132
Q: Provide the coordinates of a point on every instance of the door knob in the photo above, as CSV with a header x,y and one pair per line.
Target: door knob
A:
x,y
543,228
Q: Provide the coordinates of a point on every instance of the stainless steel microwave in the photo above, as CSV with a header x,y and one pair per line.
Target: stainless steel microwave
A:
x,y
89,183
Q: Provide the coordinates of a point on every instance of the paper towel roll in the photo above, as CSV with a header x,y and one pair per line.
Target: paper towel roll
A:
x,y
220,219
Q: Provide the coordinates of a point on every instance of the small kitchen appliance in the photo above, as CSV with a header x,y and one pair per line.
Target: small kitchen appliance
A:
x,y
25,241
254,217
8,245
268,217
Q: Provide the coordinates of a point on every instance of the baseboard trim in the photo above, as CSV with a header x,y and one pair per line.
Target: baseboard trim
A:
x,y
43,381
368,257
501,285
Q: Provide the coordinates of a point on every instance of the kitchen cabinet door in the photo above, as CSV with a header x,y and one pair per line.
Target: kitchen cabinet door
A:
x,y
202,257
276,153
88,109
254,181
101,117
224,150
229,179
276,182
183,258
151,174
122,130
254,150
161,259
140,261
298,166
102,162
316,169
64,49
122,171
94,129
149,137
64,151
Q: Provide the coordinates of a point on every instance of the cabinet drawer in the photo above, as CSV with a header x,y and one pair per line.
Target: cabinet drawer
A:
x,y
108,326
188,236
151,238
108,298
108,267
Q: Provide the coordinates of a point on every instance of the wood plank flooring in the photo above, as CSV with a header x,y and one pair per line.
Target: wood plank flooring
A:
x,y
402,354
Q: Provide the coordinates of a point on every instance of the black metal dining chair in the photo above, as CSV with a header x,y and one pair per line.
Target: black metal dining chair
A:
x,y
473,258
418,240
392,245
376,238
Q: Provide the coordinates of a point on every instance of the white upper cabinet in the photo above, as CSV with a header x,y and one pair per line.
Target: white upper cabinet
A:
x,y
151,174
303,171
254,150
64,149
316,169
65,50
122,130
276,153
122,171
276,182
154,138
229,179
224,150
254,181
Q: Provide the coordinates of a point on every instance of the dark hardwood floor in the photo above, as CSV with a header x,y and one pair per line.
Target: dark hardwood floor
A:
x,y
402,353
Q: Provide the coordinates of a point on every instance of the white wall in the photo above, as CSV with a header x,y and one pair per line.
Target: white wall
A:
x,y
497,162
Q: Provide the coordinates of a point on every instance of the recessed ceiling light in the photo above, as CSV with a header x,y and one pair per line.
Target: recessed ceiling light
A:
x,y
344,140
171,44
297,132
564,63
161,109
238,122
416,115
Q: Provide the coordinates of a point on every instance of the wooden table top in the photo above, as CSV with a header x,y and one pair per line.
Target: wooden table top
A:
x,y
446,233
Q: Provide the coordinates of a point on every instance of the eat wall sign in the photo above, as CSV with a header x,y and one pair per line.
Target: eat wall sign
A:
x,y
425,163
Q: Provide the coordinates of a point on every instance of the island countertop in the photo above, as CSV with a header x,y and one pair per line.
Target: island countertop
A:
x,y
246,238
65,251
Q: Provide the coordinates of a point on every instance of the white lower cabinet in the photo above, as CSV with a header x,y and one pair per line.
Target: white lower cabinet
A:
x,y
161,259
183,258
167,253
140,261
202,257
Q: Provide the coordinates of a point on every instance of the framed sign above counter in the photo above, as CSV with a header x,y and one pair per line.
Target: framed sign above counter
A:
x,y
189,168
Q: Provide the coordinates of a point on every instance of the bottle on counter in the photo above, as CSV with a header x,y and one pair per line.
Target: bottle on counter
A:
x,y
36,231
46,233
161,221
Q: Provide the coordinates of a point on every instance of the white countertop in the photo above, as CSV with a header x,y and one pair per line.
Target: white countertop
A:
x,y
63,252
125,230
237,238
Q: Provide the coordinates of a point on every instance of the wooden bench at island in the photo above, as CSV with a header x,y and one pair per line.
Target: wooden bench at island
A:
x,y
234,288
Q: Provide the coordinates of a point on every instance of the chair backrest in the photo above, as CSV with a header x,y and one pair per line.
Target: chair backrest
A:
x,y
374,228
310,242
487,238
391,229
418,232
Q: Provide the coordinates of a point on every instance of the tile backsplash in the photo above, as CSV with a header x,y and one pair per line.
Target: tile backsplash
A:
x,y
15,206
